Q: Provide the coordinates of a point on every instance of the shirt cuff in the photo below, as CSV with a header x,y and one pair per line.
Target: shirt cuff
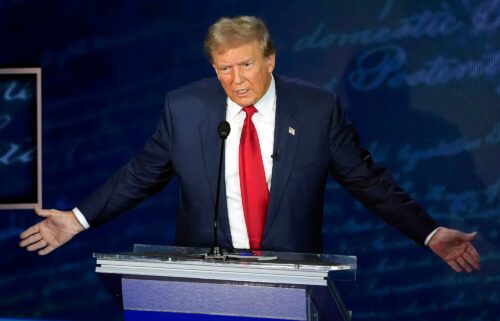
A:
x,y
429,237
79,216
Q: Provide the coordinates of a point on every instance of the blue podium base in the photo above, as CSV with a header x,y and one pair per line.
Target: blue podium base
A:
x,y
130,315
201,300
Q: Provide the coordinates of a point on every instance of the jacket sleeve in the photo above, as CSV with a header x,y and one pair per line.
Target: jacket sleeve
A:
x,y
144,176
353,167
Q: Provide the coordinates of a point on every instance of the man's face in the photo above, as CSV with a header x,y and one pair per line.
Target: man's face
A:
x,y
244,72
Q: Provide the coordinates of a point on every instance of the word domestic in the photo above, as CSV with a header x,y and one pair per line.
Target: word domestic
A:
x,y
485,17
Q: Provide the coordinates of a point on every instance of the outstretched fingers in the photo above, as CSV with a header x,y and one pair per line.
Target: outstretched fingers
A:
x,y
47,250
467,259
33,238
463,264
43,247
36,246
30,231
454,265
26,236
471,250
54,230
472,257
474,263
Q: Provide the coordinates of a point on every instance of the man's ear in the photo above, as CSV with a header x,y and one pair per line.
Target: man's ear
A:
x,y
271,62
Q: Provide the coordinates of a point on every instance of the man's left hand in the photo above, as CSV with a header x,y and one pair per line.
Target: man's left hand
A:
x,y
456,249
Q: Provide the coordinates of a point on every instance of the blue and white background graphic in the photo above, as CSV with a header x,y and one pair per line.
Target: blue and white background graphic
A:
x,y
419,79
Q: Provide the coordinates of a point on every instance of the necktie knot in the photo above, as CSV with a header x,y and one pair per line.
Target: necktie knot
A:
x,y
249,110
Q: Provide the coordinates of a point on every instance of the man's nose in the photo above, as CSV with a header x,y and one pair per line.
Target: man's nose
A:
x,y
238,76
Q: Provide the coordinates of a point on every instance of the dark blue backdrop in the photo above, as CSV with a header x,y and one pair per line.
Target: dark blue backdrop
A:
x,y
420,80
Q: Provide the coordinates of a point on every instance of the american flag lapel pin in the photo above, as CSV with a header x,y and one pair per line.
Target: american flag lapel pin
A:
x,y
291,131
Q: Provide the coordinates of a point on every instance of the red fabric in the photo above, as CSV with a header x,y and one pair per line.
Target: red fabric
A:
x,y
254,192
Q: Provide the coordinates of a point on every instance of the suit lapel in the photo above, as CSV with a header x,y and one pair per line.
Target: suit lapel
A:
x,y
216,112
287,134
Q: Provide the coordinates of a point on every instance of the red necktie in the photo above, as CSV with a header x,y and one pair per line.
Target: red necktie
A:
x,y
254,193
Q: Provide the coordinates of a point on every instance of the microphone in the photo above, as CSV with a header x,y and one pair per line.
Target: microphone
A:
x,y
224,129
276,154
216,252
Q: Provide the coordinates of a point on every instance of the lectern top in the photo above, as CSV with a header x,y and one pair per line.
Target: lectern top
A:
x,y
309,260
265,266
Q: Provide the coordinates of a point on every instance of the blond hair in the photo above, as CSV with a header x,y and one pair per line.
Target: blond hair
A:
x,y
226,33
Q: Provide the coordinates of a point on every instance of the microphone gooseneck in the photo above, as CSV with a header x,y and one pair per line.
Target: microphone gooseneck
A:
x,y
216,252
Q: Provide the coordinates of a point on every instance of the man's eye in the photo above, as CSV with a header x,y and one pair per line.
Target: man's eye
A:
x,y
247,65
225,69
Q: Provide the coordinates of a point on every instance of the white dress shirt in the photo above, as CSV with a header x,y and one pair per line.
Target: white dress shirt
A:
x,y
263,120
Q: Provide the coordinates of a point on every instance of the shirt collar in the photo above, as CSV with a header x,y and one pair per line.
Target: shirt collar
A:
x,y
264,106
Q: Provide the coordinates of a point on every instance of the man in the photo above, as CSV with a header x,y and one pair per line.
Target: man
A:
x,y
286,138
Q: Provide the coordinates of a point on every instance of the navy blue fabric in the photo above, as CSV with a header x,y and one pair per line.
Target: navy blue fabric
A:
x,y
185,144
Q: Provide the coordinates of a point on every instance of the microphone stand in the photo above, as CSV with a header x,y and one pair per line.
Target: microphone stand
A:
x,y
216,252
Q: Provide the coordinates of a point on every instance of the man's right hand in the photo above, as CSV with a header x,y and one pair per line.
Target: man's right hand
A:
x,y
56,229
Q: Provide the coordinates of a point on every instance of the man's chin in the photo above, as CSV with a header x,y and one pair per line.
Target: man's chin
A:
x,y
247,101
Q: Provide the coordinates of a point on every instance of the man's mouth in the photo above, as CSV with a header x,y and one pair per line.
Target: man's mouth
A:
x,y
241,92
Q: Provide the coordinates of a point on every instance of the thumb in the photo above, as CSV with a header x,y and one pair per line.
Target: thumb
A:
x,y
468,237
41,212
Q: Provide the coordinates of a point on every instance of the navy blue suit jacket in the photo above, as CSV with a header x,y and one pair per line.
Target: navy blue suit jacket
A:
x,y
186,144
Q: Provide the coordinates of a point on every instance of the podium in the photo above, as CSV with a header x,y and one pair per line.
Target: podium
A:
x,y
177,283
